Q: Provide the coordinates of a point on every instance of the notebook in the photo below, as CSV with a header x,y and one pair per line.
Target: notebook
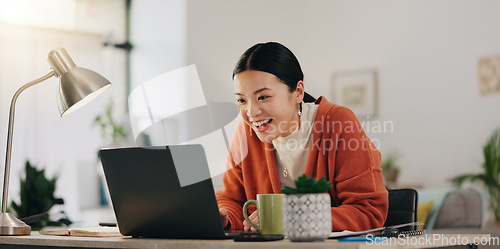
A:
x,y
154,197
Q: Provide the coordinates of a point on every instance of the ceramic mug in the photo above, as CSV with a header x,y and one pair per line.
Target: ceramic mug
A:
x,y
270,210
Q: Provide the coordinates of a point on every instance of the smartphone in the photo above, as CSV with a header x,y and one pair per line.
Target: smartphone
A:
x,y
107,224
258,237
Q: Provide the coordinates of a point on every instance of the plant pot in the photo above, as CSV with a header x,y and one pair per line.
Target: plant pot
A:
x,y
390,175
307,217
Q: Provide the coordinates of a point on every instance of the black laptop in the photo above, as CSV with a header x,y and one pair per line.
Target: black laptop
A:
x,y
163,192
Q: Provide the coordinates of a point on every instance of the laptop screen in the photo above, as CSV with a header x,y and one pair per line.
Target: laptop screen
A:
x,y
162,191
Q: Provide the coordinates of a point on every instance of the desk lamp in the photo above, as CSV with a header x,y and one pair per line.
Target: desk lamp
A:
x,y
77,87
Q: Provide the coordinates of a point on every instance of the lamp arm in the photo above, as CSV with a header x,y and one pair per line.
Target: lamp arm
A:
x,y
10,134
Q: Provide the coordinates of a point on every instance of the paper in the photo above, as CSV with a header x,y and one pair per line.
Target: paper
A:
x,y
347,233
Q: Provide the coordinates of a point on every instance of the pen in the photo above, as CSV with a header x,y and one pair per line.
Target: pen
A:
x,y
362,239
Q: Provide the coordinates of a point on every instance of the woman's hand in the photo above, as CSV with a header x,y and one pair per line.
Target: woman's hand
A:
x,y
254,217
224,217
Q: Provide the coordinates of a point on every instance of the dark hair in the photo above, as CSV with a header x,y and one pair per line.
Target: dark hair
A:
x,y
276,59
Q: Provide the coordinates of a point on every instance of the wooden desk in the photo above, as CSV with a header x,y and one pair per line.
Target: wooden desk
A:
x,y
45,241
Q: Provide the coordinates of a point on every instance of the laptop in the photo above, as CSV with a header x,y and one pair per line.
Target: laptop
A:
x,y
163,192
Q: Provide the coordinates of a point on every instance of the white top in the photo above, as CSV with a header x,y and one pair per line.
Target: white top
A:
x,y
291,151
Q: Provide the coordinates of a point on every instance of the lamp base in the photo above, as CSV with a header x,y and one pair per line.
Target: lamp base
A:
x,y
10,225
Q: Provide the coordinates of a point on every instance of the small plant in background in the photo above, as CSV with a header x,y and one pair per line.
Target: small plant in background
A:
x,y
110,129
37,197
308,185
389,166
490,176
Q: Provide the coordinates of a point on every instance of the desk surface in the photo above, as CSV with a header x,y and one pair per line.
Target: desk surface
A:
x,y
48,241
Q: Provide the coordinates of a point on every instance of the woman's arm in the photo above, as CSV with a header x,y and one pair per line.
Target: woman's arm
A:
x,y
360,197
233,196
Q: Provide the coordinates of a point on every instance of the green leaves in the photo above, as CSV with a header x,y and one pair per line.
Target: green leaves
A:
x,y
390,160
490,175
110,129
308,185
37,196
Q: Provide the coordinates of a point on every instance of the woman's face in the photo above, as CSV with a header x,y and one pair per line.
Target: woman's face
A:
x,y
266,104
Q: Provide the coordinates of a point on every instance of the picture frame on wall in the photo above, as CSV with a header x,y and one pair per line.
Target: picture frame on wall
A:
x,y
489,75
357,90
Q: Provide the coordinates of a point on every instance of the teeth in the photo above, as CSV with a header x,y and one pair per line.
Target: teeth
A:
x,y
257,124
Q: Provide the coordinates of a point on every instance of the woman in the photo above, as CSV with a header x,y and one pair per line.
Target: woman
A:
x,y
282,137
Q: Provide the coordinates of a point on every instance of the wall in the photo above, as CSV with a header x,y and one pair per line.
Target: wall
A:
x,y
426,55
158,33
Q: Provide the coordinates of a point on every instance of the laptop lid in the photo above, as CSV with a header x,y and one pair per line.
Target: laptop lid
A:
x,y
162,192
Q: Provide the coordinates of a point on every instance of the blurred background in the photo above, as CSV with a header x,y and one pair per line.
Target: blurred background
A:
x,y
427,102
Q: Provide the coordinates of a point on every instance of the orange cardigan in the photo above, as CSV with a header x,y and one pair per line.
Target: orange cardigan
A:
x,y
339,150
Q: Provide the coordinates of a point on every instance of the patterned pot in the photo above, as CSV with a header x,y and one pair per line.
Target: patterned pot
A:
x,y
307,217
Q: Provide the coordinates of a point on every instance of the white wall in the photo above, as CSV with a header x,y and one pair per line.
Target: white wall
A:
x,y
426,54
158,33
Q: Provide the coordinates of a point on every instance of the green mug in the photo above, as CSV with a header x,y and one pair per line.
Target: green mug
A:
x,y
270,210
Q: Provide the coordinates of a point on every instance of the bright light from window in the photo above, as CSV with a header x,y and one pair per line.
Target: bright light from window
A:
x,y
59,14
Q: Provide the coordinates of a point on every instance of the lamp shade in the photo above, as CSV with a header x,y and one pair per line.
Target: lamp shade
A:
x,y
77,86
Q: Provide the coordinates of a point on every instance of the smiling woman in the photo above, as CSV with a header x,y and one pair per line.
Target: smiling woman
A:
x,y
294,137
273,79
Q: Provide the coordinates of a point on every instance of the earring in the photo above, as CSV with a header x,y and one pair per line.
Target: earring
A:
x,y
300,110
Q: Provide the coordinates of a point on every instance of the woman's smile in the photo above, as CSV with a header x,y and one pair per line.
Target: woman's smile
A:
x,y
262,125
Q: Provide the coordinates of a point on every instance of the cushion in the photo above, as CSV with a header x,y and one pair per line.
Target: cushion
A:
x,y
461,208
423,212
452,208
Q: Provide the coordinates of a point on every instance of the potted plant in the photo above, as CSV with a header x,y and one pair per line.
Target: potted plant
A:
x,y
489,177
37,198
307,209
390,169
